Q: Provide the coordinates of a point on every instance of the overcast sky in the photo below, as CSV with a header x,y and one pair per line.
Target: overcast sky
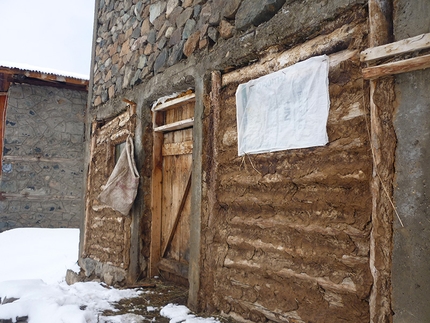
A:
x,y
53,34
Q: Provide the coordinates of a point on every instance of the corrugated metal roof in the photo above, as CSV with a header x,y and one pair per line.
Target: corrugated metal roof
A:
x,y
42,70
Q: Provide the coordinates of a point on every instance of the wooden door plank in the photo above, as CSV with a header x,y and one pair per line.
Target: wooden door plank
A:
x,y
176,125
174,267
176,102
399,47
178,214
407,65
178,148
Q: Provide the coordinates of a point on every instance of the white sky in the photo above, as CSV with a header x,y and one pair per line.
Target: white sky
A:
x,y
53,34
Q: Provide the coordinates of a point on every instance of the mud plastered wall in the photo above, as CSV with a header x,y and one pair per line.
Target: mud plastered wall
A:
x,y
106,252
42,175
286,236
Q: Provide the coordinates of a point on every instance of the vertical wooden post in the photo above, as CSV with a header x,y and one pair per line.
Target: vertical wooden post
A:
x,y
83,248
383,150
156,198
3,100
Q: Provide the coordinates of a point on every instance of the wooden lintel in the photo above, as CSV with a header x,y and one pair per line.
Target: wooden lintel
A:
x,y
407,65
182,124
3,93
176,102
400,47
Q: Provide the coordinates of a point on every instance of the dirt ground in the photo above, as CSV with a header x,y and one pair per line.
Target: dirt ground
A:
x,y
159,294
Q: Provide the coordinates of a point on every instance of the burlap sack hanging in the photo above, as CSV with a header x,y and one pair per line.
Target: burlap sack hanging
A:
x,y
121,188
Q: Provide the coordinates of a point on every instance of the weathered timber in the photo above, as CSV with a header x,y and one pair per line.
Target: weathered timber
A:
x,y
174,267
399,47
383,153
41,159
404,66
189,98
156,202
178,148
182,124
178,215
274,62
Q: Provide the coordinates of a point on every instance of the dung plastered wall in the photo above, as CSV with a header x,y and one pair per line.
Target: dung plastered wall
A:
x,y
286,236
42,175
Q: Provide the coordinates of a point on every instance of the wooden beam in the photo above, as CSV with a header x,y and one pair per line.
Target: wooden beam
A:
x,y
3,100
156,199
178,214
400,47
178,148
182,124
39,197
176,102
383,152
316,46
174,267
40,159
407,65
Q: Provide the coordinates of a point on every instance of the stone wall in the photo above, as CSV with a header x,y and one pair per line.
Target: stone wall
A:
x,y
42,175
138,39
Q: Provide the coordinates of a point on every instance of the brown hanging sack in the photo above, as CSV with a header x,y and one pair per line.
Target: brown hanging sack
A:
x,y
121,188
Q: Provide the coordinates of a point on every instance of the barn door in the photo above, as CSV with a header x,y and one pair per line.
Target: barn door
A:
x,y
173,146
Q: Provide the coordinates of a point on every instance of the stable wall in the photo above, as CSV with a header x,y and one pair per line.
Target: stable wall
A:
x,y
42,175
278,237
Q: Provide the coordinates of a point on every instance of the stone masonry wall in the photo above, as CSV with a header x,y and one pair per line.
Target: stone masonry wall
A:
x,y
138,39
42,175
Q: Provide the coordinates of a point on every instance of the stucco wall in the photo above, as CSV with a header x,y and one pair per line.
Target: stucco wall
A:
x,y
42,178
411,269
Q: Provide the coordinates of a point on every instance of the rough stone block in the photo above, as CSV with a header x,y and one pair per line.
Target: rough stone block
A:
x,y
191,44
183,17
225,29
230,8
161,60
188,29
254,13
156,9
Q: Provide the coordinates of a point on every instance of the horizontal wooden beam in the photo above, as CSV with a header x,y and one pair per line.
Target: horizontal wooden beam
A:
x,y
182,124
400,47
174,267
38,197
8,158
178,148
407,65
175,102
276,61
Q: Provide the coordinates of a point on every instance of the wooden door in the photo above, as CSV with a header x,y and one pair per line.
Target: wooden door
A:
x,y
173,144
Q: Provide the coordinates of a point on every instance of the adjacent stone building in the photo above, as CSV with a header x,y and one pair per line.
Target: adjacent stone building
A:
x,y
43,118
301,235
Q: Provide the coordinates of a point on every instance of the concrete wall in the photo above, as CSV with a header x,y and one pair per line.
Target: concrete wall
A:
x,y
42,176
411,266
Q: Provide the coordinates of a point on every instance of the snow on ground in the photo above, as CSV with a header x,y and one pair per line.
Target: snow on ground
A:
x,y
33,267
